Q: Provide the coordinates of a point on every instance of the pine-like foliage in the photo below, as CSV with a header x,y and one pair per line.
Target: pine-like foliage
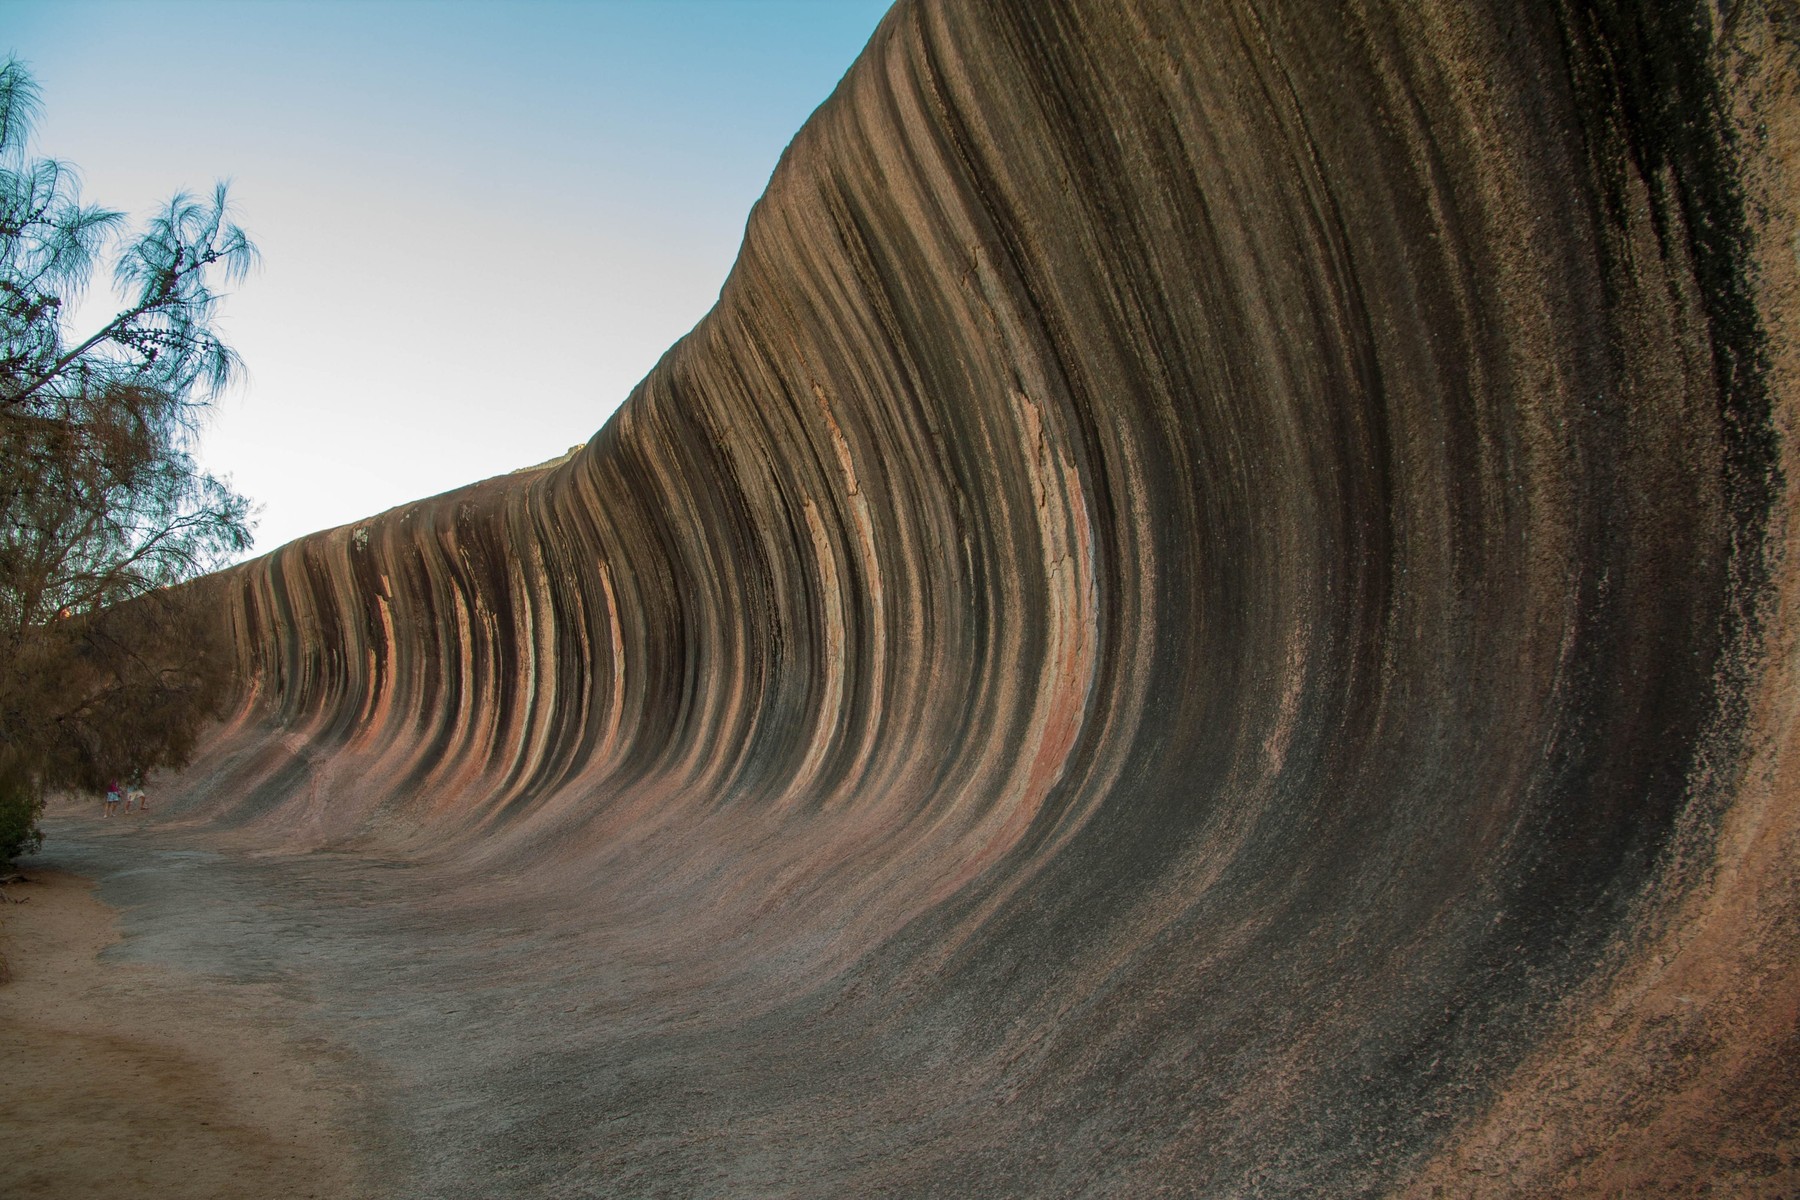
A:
x,y
103,668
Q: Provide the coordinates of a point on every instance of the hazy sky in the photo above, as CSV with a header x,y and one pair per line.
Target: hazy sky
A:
x,y
481,223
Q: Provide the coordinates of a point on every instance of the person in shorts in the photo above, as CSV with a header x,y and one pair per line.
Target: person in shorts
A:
x,y
112,799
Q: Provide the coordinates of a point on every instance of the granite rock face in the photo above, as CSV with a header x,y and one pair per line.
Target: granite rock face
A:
x,y
1206,611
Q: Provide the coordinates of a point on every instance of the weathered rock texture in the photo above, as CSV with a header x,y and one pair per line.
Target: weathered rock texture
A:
x,y
1207,611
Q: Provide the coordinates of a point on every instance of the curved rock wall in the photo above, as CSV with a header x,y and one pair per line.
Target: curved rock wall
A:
x,y
1202,612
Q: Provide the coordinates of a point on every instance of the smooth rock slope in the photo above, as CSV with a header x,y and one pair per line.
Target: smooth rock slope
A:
x,y
1209,612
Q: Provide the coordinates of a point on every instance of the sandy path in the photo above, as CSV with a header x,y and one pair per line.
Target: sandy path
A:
x,y
128,1079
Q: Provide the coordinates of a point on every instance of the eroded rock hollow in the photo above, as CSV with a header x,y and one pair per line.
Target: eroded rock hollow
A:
x,y
1206,611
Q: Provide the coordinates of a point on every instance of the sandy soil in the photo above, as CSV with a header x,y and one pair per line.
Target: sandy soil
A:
x,y
133,1080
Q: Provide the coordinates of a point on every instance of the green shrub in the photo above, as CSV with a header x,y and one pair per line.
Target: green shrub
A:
x,y
21,804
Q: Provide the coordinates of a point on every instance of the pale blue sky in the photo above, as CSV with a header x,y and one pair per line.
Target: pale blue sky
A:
x,y
481,223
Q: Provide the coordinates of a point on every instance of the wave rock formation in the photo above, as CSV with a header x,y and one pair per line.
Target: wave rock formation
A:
x,y
1207,611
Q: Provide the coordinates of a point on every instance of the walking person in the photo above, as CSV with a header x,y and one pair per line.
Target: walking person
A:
x,y
134,794
112,799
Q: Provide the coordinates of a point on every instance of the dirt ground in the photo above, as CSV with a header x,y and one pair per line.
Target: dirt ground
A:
x,y
124,1079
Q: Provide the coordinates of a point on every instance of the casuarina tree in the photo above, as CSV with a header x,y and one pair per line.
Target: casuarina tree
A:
x,y
106,666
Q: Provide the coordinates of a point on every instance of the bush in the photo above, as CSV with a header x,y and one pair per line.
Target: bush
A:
x,y
21,804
